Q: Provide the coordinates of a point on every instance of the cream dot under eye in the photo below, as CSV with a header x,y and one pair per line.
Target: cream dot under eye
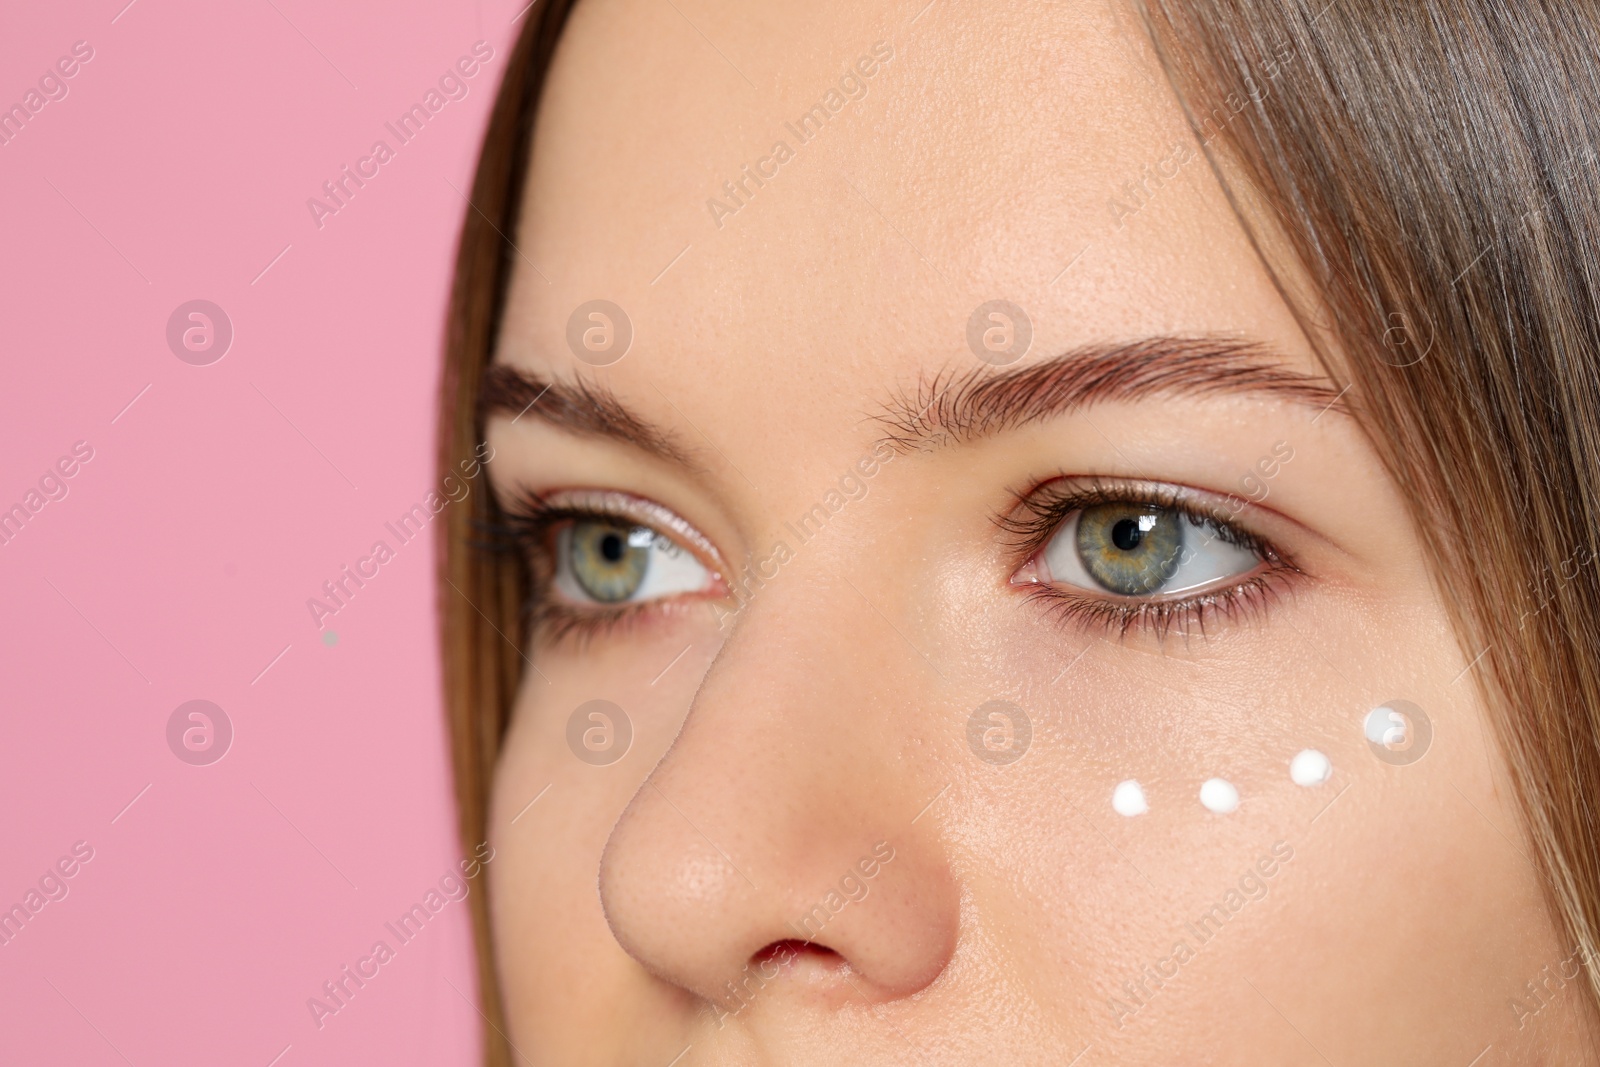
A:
x,y
1128,799
1310,767
1219,795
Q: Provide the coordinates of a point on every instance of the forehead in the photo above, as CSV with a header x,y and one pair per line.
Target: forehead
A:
x,y
801,206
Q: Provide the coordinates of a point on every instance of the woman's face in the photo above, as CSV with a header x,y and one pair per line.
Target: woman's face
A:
x,y
962,466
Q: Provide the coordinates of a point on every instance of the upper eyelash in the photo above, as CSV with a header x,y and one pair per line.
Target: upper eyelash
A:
x,y
529,521
529,518
1036,516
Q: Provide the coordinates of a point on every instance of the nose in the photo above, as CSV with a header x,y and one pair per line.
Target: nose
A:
x,y
778,849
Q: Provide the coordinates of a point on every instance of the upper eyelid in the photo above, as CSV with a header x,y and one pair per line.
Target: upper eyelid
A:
x,y
1125,488
1096,489
1029,536
616,504
1026,512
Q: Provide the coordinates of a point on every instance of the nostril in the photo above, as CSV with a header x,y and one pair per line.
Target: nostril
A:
x,y
790,954
800,967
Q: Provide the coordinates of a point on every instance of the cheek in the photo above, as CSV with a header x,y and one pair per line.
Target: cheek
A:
x,y
552,812
1379,849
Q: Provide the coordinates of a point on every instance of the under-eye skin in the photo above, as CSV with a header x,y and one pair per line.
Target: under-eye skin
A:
x,y
1129,555
601,559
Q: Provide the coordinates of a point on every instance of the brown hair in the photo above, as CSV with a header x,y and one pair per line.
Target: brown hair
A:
x,y
1430,169
482,595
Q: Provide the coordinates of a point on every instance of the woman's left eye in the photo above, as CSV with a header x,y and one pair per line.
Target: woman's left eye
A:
x,y
1137,549
607,562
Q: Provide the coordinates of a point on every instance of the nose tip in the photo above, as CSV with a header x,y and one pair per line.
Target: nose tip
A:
x,y
703,904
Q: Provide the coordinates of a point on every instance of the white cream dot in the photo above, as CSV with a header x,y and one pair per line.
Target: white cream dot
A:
x,y
1219,795
1128,799
1310,767
1386,726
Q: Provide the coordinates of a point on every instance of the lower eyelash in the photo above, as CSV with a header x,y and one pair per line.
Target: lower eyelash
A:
x,y
1245,601
555,622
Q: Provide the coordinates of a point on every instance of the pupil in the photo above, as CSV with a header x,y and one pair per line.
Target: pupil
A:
x,y
1126,534
611,548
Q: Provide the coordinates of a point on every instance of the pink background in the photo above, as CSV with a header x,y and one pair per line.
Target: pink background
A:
x,y
178,167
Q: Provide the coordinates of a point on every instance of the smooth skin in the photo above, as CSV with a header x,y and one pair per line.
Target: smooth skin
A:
x,y
1388,916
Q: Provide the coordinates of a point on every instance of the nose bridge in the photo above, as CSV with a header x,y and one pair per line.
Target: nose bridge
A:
x,y
784,810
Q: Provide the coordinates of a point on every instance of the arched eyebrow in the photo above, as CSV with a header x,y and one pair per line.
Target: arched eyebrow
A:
x,y
578,407
955,407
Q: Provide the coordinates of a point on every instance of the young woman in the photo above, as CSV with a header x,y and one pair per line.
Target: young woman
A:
x,y
1033,533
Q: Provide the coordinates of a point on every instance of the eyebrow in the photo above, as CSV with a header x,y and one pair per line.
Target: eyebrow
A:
x,y
579,407
957,407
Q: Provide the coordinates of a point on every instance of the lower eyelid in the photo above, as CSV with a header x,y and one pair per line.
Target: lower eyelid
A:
x,y
1248,599
555,622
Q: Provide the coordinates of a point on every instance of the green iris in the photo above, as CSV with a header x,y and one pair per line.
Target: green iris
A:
x,y
610,561
1131,549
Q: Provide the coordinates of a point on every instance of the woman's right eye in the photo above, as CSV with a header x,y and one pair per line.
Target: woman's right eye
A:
x,y
609,562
